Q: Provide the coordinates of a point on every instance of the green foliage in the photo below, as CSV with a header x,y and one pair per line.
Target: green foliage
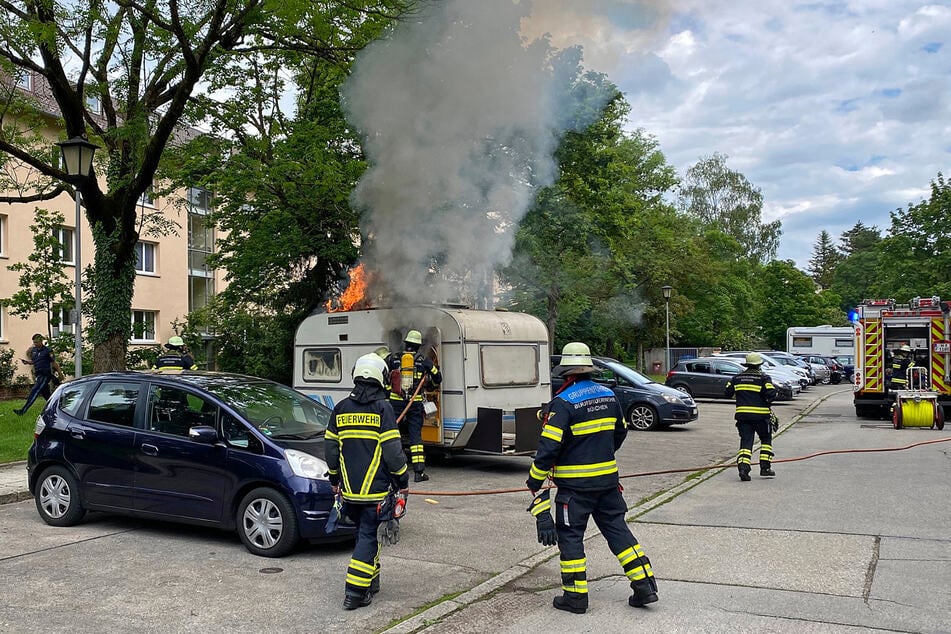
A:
x,y
824,260
44,287
789,298
7,367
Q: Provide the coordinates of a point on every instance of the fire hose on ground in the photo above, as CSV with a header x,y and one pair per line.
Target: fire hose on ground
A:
x,y
694,469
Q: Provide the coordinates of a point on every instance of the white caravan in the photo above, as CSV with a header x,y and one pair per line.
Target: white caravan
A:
x,y
495,368
824,341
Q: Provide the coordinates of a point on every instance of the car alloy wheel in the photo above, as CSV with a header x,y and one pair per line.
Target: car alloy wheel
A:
x,y
267,524
57,498
642,417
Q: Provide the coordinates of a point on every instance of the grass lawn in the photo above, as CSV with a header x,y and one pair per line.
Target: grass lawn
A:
x,y
16,432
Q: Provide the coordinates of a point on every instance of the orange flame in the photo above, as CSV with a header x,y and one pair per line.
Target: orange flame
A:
x,y
355,296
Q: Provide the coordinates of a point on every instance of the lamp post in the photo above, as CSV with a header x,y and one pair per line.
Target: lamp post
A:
x,y
77,158
667,290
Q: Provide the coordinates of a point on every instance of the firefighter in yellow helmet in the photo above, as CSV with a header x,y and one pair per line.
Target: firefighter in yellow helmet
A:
x,y
901,361
365,460
177,357
754,393
582,427
406,394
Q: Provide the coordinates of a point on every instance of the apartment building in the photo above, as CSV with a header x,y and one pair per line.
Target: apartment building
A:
x,y
172,274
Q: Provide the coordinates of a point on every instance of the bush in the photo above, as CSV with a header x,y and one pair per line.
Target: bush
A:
x,y
7,367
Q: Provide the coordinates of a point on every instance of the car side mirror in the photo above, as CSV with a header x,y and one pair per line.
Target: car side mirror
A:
x,y
203,434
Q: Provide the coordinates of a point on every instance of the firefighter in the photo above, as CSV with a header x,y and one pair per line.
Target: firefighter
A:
x,y
582,427
901,361
754,393
364,459
177,357
409,376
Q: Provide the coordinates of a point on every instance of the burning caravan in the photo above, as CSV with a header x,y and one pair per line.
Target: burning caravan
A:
x,y
495,368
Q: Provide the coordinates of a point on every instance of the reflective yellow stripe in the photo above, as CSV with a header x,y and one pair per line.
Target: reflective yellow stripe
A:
x,y
743,387
752,409
537,473
363,434
362,566
363,582
552,433
572,565
593,426
347,420
585,470
390,435
331,435
371,470
541,507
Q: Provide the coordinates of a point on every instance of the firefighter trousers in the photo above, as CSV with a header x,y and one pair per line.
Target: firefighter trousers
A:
x,y
573,507
364,569
747,429
414,432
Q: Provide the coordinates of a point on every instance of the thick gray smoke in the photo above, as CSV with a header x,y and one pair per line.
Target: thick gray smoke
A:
x,y
460,116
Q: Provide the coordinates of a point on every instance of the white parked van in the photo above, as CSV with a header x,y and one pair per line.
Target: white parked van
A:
x,y
494,365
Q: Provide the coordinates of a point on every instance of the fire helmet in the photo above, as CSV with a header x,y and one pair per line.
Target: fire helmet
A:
x,y
382,352
175,342
414,336
371,367
753,360
905,348
575,359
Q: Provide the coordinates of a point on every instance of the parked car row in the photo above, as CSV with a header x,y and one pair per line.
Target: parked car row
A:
x,y
706,377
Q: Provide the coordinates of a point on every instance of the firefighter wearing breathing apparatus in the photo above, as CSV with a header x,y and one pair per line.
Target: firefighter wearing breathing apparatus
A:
x,y
754,393
410,373
901,361
365,462
582,427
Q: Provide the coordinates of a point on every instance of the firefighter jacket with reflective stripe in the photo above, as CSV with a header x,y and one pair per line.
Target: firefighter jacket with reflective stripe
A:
x,y
900,372
422,367
583,429
363,447
174,361
754,393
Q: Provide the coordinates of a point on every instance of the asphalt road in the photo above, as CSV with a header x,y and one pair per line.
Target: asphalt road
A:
x,y
112,574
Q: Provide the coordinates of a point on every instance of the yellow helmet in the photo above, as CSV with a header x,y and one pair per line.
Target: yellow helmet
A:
x,y
382,352
575,359
905,348
753,360
414,336
175,342
370,366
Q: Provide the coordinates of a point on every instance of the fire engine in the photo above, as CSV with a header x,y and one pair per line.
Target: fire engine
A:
x,y
881,328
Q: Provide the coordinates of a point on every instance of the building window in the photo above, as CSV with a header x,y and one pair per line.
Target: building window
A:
x,y
3,235
143,326
144,257
64,235
62,324
94,104
25,81
3,310
200,291
199,200
147,198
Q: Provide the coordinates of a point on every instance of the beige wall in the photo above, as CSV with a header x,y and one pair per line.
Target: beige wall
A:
x,y
165,292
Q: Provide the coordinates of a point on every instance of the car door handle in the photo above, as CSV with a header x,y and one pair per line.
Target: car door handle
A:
x,y
149,450
77,433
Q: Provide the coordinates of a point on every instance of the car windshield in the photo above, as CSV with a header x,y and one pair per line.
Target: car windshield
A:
x,y
276,410
628,374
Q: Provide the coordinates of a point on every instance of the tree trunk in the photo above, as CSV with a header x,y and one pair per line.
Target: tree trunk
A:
x,y
112,282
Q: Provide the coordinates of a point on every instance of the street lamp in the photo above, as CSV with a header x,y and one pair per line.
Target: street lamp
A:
x,y
77,157
667,290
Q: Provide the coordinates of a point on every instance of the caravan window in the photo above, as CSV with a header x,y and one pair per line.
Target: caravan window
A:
x,y
506,366
802,342
322,365
844,343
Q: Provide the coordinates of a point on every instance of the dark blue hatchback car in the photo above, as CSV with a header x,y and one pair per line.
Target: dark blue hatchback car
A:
x,y
223,450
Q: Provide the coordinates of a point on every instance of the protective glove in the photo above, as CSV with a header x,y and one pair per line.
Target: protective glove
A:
x,y
336,511
544,524
773,422
388,532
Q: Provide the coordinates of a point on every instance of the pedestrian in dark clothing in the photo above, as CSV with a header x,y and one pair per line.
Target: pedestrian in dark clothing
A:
x,y
365,460
177,357
412,372
754,393
46,370
582,428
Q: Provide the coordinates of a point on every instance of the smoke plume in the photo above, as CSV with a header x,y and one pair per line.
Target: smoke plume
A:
x,y
460,113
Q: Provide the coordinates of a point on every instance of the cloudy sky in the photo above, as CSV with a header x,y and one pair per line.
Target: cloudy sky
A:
x,y
839,111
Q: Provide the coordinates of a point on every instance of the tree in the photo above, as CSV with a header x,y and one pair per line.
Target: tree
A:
x,y
859,238
824,260
723,198
788,297
43,285
142,64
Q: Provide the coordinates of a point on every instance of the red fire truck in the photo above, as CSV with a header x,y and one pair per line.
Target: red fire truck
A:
x,y
882,327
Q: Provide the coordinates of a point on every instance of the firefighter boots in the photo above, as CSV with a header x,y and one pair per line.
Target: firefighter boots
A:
x,y
375,585
576,602
744,470
765,469
354,600
645,591
420,477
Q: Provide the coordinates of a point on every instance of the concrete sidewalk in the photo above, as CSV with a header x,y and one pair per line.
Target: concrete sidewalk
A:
x,y
837,543
13,482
